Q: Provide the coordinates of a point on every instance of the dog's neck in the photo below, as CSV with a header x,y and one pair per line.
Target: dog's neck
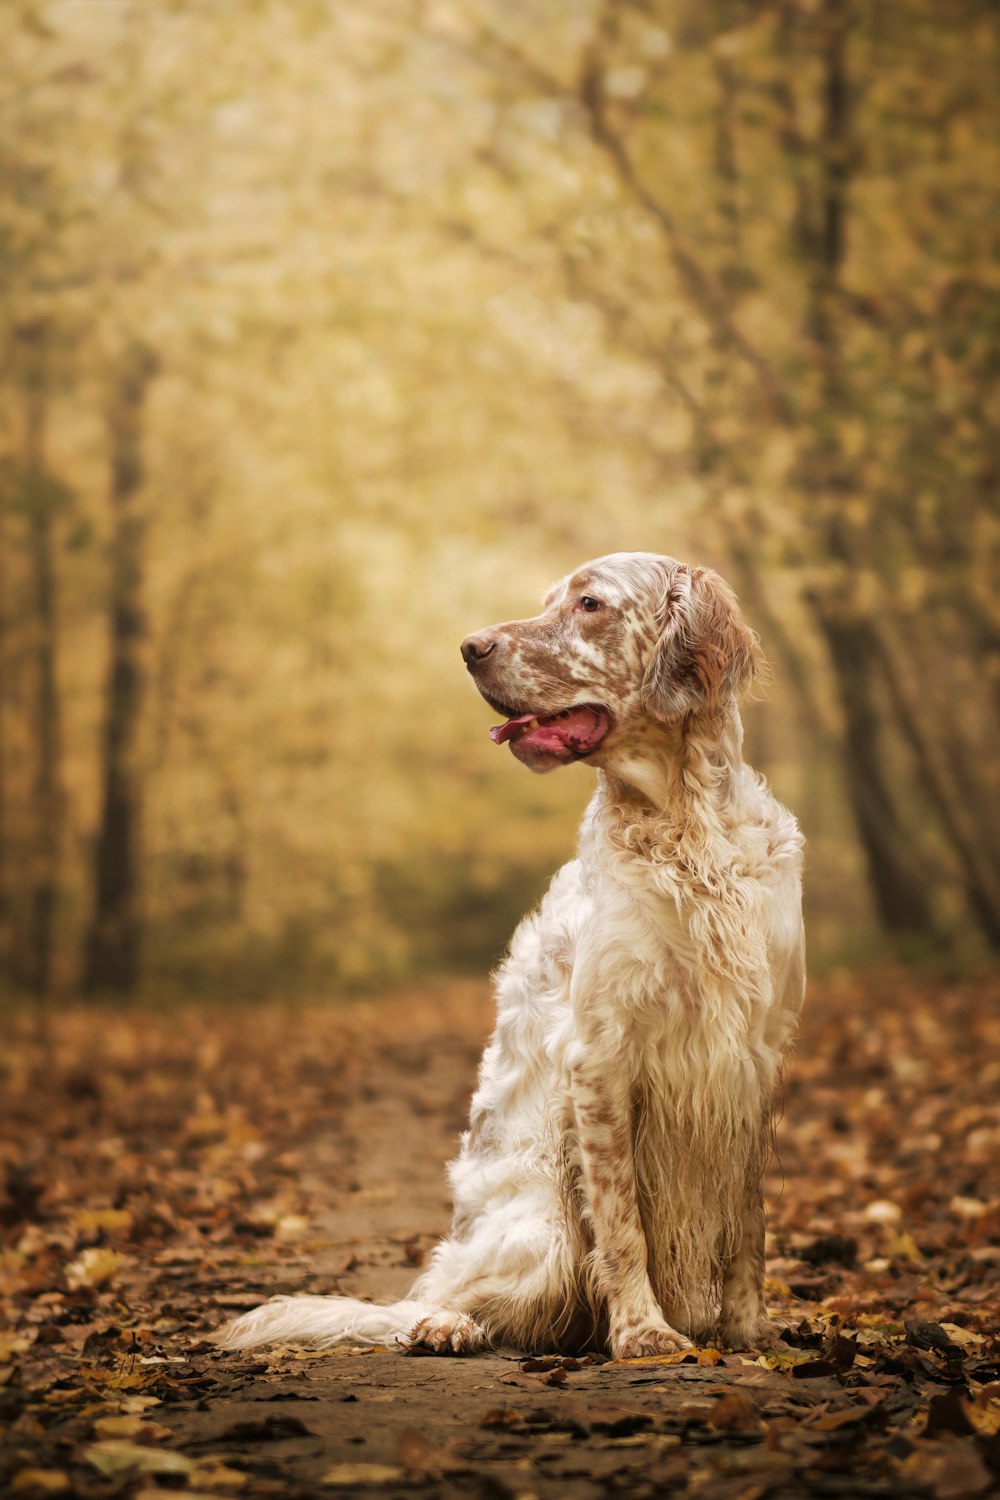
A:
x,y
664,767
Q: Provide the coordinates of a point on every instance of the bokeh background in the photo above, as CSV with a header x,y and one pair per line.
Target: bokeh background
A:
x,y
333,329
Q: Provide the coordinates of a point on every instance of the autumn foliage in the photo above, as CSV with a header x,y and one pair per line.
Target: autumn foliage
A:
x,y
164,1172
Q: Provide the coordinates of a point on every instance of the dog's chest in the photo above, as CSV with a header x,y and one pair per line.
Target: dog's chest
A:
x,y
660,974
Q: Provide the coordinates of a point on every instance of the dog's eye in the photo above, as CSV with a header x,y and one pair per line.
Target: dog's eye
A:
x,y
589,603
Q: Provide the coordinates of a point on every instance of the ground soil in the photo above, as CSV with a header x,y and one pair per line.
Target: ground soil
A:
x,y
166,1171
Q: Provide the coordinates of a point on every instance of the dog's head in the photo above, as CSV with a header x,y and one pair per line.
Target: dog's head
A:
x,y
624,640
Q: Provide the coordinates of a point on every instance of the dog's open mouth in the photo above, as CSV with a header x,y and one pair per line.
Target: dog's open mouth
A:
x,y
544,741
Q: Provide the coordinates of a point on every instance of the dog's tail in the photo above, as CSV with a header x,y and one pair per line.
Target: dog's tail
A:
x,y
322,1322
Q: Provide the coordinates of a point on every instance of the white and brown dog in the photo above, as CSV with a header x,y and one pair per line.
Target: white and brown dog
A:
x,y
609,1187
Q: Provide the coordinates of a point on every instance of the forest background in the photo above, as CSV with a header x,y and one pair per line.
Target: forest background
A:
x,y
330,332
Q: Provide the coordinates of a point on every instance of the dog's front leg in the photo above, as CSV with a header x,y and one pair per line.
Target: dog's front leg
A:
x,y
607,1149
744,1323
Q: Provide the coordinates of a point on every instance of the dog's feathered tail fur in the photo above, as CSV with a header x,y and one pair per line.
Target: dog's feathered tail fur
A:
x,y
322,1322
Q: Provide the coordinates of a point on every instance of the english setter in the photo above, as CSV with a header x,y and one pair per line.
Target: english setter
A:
x,y
608,1190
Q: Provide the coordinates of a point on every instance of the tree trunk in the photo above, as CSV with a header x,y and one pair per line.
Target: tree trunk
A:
x,y
947,789
112,954
5,903
39,494
901,894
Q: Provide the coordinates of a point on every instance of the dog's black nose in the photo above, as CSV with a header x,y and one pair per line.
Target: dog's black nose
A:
x,y
476,647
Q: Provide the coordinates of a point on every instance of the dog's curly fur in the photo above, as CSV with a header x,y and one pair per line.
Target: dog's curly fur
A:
x,y
609,1187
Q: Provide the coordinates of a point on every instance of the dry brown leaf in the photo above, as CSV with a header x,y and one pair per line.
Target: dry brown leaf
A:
x,y
734,1412
414,1451
131,1425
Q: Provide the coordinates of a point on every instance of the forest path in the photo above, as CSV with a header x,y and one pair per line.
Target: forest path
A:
x,y
165,1172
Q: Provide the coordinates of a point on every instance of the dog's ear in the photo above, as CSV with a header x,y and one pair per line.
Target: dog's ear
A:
x,y
706,654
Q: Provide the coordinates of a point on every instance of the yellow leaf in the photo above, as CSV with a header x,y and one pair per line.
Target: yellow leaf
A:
x,y
983,1413
291,1227
128,1378
156,1493
94,1268
116,1456
963,1336
213,1474
51,1480
13,1343
659,1359
351,1476
102,1220
904,1247
877,1322
784,1359
119,1426
131,1404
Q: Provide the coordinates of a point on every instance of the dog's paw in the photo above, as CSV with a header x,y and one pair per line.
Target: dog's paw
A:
x,y
641,1340
449,1333
753,1334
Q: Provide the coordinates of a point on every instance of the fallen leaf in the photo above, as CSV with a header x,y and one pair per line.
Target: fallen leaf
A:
x,y
621,1422
213,1474
904,1247
963,1336
102,1221
14,1343
925,1335
291,1227
133,1404
787,1359
52,1481
683,1356
835,1420
415,1452
734,1412
131,1425
983,1413
968,1208
883,1211
96,1267
348,1476
948,1413
950,1473
115,1456
273,1429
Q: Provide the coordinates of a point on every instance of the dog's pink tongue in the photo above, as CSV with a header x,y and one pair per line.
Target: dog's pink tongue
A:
x,y
572,732
501,733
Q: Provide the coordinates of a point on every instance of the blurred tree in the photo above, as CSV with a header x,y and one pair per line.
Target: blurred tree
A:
x,y
902,890
113,940
39,497
7,954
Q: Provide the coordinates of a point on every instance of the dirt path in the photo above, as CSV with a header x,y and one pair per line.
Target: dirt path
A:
x,y
164,1173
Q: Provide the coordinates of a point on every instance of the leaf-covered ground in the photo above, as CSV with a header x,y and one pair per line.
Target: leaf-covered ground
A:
x,y
164,1171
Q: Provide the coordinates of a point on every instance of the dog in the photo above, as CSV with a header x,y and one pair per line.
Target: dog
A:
x,y
608,1192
